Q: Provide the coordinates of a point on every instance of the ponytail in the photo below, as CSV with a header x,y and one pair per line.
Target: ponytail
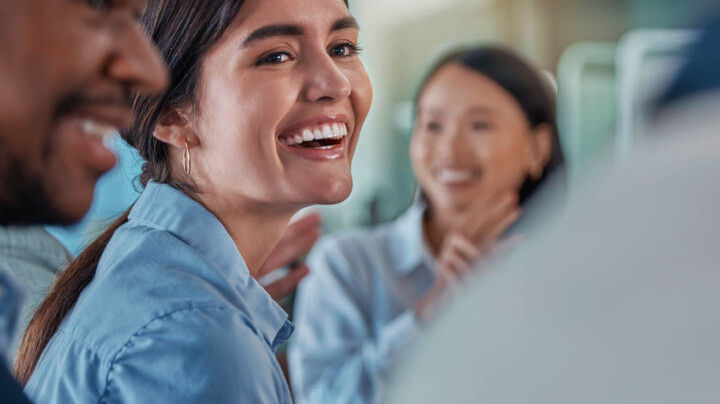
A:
x,y
58,303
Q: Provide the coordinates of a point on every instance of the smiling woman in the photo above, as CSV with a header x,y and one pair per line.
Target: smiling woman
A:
x,y
485,140
261,118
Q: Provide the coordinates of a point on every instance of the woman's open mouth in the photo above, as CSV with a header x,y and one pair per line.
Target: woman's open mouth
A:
x,y
456,176
319,137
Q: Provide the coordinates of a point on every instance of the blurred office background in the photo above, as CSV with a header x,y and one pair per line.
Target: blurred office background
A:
x,y
608,59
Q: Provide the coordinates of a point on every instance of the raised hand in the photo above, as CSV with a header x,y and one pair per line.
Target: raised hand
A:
x,y
474,237
299,238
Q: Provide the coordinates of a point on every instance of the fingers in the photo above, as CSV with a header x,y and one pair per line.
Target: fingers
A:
x,y
498,228
467,250
503,247
306,223
455,264
284,286
447,283
457,256
288,250
485,216
297,241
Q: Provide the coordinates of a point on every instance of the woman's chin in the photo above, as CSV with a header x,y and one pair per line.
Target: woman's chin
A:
x,y
333,193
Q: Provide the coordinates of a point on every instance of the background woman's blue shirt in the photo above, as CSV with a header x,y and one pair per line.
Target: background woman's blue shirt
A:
x,y
355,310
172,315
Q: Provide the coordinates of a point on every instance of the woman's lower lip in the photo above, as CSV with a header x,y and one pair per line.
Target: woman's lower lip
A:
x,y
458,184
333,153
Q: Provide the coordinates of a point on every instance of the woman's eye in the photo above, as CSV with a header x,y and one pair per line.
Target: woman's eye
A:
x,y
480,126
434,127
275,58
345,50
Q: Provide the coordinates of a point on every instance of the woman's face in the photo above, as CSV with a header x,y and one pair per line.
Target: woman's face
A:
x,y
281,100
472,141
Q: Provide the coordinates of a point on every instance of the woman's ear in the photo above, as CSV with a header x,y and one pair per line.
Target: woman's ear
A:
x,y
539,150
174,128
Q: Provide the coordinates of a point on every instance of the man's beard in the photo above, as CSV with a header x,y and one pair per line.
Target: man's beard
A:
x,y
23,197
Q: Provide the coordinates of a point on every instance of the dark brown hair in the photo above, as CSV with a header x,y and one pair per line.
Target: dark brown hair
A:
x,y
525,85
183,32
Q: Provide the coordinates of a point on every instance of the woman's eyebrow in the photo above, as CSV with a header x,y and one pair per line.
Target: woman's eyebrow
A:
x,y
273,30
345,23
424,111
269,31
479,110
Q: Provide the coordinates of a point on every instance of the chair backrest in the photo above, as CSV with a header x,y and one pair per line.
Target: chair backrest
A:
x,y
647,60
587,102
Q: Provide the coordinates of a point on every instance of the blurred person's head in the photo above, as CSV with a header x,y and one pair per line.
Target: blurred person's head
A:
x,y
485,125
266,96
701,73
66,70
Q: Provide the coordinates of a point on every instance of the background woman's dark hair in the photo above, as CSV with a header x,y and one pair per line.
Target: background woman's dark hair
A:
x,y
526,84
183,32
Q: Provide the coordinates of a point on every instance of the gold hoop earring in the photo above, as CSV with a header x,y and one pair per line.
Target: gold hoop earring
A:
x,y
187,162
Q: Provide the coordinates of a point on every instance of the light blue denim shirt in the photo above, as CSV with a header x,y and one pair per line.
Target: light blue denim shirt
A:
x,y
354,312
172,316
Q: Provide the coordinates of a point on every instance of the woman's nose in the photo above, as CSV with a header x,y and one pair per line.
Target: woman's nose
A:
x,y
326,81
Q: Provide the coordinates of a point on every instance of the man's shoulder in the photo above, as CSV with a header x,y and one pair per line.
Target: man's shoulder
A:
x,y
10,299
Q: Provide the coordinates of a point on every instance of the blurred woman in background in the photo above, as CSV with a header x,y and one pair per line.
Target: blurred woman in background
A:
x,y
261,118
485,141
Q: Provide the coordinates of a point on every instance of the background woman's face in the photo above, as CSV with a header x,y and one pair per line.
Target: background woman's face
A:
x,y
282,98
472,140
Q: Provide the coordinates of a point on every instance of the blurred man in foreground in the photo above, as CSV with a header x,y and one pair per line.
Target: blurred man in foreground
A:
x,y
66,70
620,302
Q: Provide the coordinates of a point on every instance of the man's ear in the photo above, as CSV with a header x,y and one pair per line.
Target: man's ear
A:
x,y
540,150
174,128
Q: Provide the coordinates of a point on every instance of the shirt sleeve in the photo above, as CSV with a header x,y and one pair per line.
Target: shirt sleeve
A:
x,y
336,356
204,355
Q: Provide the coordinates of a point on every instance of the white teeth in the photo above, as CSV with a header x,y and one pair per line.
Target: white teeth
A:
x,y
92,128
447,176
327,132
307,135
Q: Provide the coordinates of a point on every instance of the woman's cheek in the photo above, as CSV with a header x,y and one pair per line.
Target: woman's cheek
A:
x,y
421,158
362,89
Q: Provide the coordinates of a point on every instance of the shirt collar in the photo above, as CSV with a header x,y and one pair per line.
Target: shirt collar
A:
x,y
408,248
162,206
